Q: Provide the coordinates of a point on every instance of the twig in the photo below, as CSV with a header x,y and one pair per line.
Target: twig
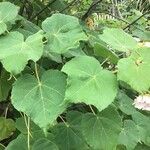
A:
x,y
123,20
41,11
6,110
136,20
28,137
89,11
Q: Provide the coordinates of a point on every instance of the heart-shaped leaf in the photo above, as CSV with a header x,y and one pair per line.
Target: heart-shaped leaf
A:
x,y
68,135
63,32
89,83
42,101
101,131
15,52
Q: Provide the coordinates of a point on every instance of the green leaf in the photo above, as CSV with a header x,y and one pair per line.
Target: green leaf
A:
x,y
142,147
22,141
74,52
44,144
101,50
15,52
143,35
7,127
63,32
5,85
129,135
125,104
28,28
101,131
21,125
19,142
68,135
42,100
118,39
135,71
8,12
142,122
86,74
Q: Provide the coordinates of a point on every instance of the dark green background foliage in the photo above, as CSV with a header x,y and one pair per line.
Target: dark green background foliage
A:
x,y
69,74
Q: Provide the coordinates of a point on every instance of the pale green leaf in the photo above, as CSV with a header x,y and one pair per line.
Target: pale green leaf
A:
x,y
15,52
8,12
42,100
63,32
135,70
7,127
101,131
129,135
89,83
101,50
118,39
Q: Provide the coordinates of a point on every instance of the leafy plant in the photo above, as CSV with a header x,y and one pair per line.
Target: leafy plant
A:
x,y
66,87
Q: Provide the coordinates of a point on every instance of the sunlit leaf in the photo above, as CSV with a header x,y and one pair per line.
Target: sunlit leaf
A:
x,y
63,32
135,70
118,39
15,52
89,83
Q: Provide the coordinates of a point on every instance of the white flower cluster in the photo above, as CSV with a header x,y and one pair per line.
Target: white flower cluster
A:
x,y
142,102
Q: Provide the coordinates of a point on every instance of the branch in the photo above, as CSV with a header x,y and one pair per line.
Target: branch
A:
x,y
136,20
41,11
89,11
125,21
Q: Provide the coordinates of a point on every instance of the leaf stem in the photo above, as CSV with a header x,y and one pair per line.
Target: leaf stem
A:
x,y
63,121
28,137
6,110
36,73
2,145
90,9
92,110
